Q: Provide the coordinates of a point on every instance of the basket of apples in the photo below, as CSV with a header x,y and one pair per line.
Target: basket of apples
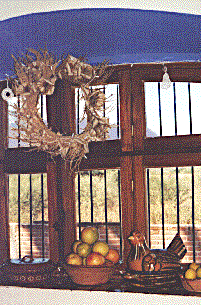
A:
x,y
92,262
191,278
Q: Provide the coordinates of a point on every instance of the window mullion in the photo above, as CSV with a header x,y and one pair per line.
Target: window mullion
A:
x,y
4,226
126,160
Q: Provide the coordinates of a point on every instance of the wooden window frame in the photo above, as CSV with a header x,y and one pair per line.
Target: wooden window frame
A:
x,y
133,153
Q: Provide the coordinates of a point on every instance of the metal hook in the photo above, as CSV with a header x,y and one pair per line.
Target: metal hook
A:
x,y
7,77
166,82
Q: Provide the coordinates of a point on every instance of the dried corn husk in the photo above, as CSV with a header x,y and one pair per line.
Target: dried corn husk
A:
x,y
36,74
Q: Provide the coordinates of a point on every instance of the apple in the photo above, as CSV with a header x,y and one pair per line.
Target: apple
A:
x,y
113,256
83,249
89,235
194,266
75,244
198,272
190,274
74,259
101,247
95,259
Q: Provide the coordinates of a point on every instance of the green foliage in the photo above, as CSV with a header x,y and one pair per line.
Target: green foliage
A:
x,y
25,198
98,196
112,198
170,195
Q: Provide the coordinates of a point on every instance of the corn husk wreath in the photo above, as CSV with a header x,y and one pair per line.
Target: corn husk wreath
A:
x,y
36,74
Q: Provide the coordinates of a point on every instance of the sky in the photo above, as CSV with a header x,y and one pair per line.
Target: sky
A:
x,y
13,8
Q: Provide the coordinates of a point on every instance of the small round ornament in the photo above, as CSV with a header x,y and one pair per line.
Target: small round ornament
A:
x,y
7,94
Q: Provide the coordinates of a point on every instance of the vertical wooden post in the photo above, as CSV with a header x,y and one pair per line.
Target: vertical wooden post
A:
x,y
139,132
125,110
52,210
126,161
67,106
53,216
140,211
127,204
4,222
61,117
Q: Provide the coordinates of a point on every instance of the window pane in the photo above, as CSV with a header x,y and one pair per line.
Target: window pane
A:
x,y
182,208
196,107
13,123
155,207
113,196
19,215
98,203
152,110
182,108
112,109
169,112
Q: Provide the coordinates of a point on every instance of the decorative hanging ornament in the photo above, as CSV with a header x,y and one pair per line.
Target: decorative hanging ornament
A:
x,y
35,74
7,93
166,82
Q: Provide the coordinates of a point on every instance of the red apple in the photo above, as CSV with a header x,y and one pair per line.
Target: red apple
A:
x,y
74,259
113,256
95,259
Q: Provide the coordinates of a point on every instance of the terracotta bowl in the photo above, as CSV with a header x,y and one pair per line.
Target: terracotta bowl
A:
x,y
90,275
191,285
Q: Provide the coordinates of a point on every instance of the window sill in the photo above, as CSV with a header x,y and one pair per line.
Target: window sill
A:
x,y
117,284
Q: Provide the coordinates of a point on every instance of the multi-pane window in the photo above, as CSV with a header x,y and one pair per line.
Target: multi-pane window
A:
x,y
172,111
98,203
28,215
173,193
98,199
174,206
152,168
28,203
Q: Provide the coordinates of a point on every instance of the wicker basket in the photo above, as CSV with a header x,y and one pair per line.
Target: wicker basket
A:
x,y
151,280
191,285
93,275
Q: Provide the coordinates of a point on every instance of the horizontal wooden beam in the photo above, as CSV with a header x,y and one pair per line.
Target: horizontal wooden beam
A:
x,y
153,72
24,161
179,71
184,150
160,151
102,155
172,160
172,144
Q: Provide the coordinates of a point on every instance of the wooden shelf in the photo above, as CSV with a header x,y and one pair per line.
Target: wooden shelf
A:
x,y
116,284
